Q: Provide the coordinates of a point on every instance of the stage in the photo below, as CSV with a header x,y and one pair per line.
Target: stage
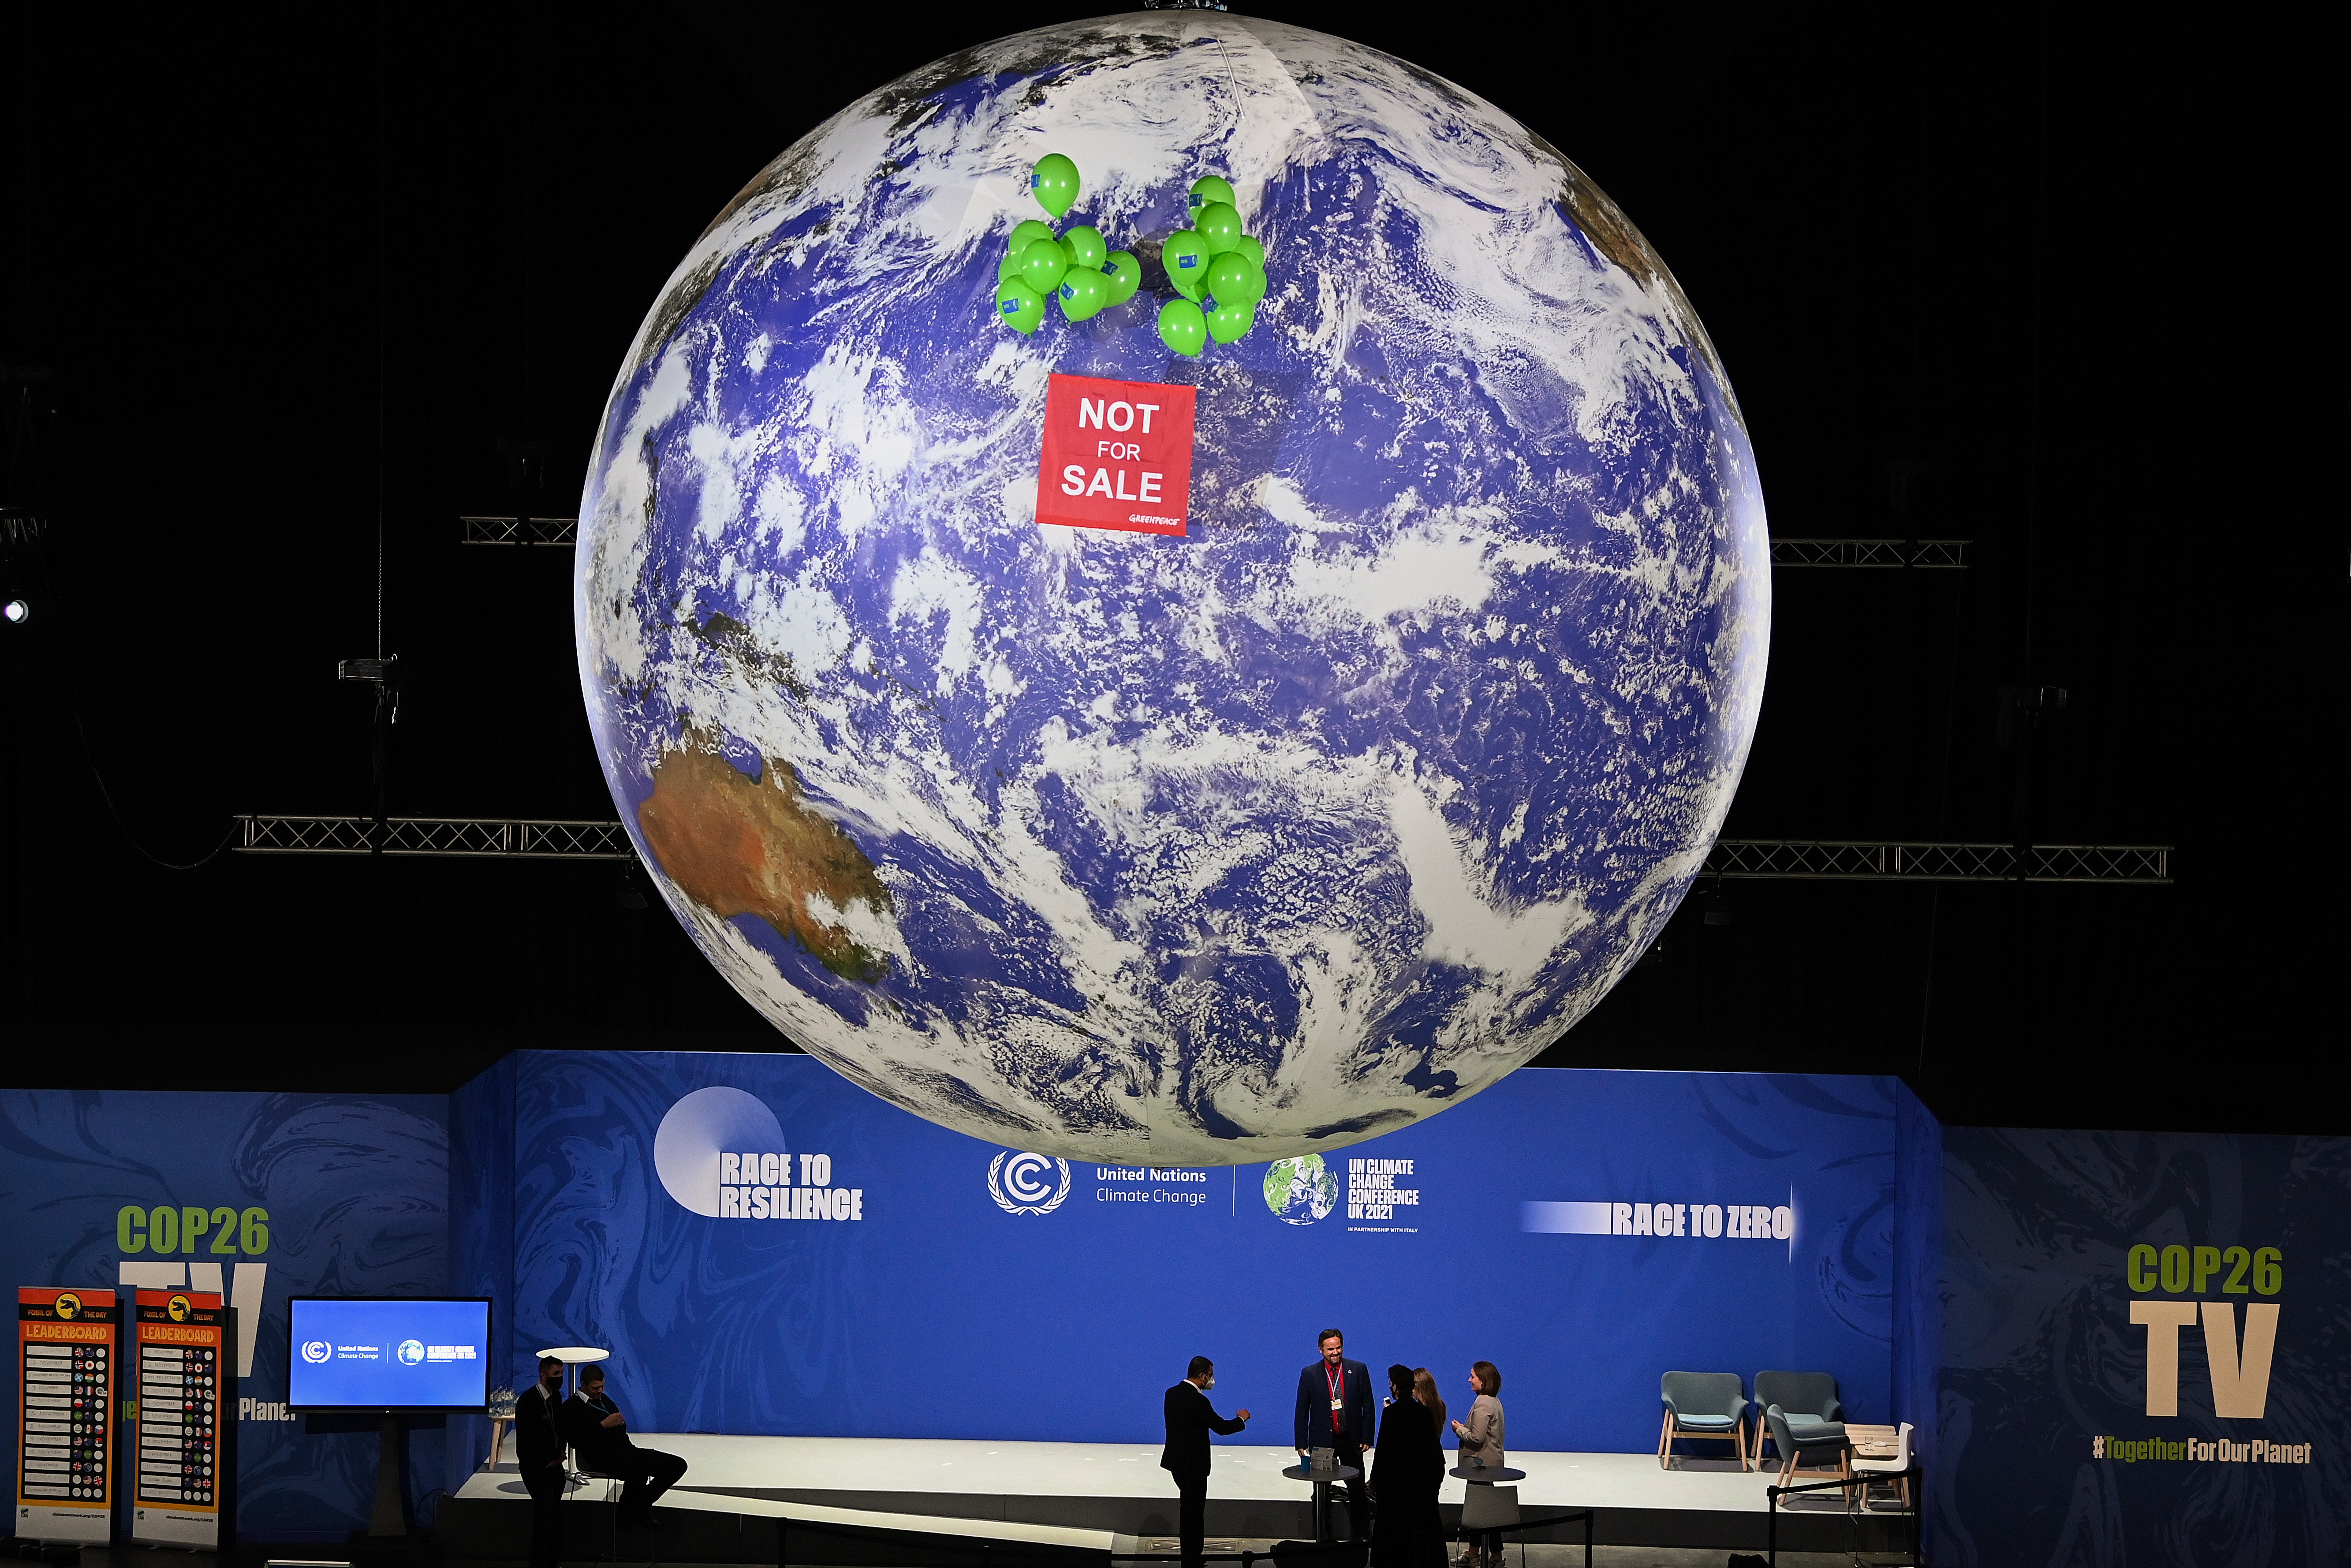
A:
x,y
1061,1500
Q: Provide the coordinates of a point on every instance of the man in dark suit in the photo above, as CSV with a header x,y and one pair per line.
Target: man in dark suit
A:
x,y
1190,1419
538,1454
600,1434
1334,1411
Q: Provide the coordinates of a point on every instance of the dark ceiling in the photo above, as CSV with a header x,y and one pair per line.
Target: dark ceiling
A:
x,y
2062,282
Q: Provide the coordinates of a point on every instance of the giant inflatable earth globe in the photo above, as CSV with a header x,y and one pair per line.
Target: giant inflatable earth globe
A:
x,y
1202,850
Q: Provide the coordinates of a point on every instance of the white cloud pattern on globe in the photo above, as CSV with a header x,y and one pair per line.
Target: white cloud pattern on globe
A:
x,y
1207,850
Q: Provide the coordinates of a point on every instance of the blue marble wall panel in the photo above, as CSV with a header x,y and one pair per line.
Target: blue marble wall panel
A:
x,y
2048,1451
481,1241
1917,1270
356,1190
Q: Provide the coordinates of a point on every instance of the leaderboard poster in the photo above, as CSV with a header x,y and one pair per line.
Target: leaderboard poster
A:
x,y
66,1353
183,1460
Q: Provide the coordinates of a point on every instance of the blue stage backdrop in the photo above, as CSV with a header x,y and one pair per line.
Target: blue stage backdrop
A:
x,y
2145,1350
2117,1346
331,1195
964,1291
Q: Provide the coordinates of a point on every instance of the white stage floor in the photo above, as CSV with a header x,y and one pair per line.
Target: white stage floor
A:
x,y
486,1486
937,1465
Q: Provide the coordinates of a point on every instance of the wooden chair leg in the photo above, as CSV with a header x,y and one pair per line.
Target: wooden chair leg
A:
x,y
1665,1441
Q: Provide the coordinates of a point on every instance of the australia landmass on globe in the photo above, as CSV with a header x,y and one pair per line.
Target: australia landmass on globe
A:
x,y
736,845
1215,848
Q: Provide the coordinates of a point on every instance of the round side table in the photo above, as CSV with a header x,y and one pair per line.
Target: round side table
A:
x,y
1323,1480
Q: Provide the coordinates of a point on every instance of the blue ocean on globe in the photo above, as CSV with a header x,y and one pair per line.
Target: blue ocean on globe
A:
x,y
1202,850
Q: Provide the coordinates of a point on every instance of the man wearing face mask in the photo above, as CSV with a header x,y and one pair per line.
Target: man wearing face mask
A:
x,y
1190,1419
538,1454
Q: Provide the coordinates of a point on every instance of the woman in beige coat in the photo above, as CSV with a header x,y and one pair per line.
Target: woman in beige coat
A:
x,y
1481,1445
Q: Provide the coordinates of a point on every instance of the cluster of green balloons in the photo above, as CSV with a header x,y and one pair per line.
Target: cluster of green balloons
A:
x,y
1217,269
1075,268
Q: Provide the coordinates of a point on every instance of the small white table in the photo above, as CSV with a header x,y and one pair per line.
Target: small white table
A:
x,y
1871,1442
573,1357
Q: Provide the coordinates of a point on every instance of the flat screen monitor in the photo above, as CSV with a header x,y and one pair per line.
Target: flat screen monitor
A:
x,y
385,1355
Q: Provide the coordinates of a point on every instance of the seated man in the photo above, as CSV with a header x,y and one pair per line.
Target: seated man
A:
x,y
599,1433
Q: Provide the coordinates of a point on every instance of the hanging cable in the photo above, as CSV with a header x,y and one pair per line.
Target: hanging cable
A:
x,y
90,755
383,226
48,589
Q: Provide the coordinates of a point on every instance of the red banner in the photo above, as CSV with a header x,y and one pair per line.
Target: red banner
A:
x,y
1118,455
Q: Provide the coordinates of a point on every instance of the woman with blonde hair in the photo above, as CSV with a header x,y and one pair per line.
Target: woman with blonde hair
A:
x,y
1424,1389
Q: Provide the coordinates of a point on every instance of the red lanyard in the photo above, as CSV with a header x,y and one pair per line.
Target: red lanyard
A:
x,y
1335,1378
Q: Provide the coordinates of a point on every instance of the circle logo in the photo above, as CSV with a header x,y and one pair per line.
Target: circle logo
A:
x,y
1300,1191
1023,1182
317,1349
411,1352
69,1305
697,1130
178,1308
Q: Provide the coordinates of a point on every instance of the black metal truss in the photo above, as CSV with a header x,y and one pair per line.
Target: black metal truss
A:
x,y
1807,859
1930,555
1846,860
563,531
433,838
1933,555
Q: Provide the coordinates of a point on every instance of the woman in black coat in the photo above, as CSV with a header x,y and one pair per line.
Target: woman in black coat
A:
x,y
1407,1467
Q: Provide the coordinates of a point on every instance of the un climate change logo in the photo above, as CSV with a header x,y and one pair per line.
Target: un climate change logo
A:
x,y
316,1351
1018,1182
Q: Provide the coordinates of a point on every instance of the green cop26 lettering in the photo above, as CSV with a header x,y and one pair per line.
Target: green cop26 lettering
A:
x,y
2183,1271
165,1229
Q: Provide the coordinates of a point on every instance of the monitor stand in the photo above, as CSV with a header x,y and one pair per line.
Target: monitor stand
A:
x,y
390,1516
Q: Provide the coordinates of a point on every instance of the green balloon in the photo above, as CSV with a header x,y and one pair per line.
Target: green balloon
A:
x,y
1251,249
1225,322
1126,274
1020,306
1211,189
1183,328
1054,182
1043,265
1008,267
1028,232
1218,226
1232,279
1083,292
1085,246
1186,261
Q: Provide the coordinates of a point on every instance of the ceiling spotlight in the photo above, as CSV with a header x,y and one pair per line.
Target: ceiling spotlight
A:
x,y
16,611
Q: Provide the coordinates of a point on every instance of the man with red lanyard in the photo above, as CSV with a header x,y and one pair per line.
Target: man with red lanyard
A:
x,y
1335,1412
